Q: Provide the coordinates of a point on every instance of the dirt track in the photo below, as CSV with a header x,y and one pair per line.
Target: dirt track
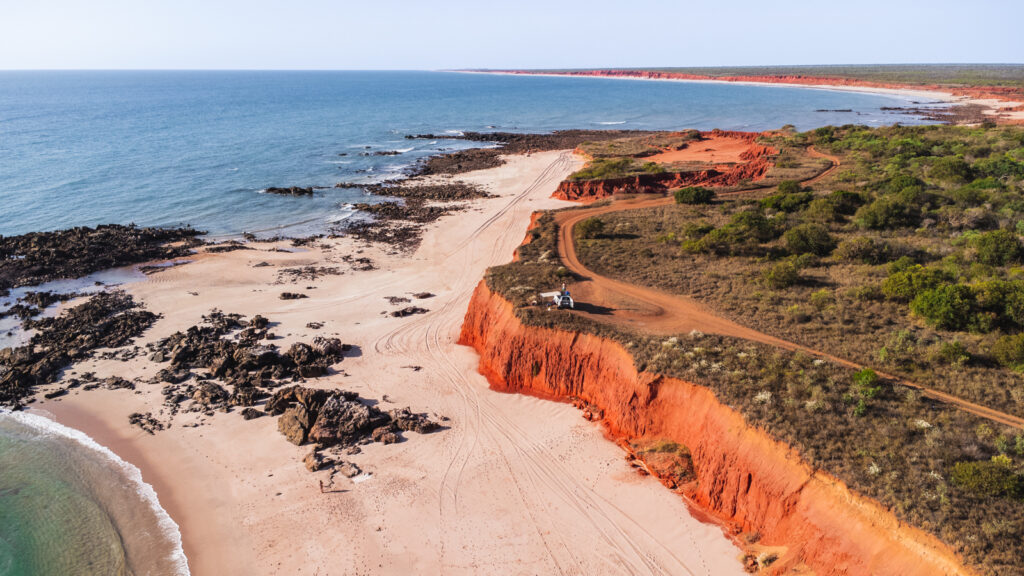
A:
x,y
654,311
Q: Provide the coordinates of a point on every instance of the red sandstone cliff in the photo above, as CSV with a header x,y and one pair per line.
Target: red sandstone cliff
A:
x,y
757,163
745,479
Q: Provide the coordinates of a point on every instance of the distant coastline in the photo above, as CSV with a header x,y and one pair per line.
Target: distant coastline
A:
x,y
1003,104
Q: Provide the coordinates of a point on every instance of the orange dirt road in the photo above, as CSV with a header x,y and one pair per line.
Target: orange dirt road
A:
x,y
654,311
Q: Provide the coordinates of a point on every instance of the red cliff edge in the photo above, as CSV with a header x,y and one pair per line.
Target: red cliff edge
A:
x,y
757,157
745,479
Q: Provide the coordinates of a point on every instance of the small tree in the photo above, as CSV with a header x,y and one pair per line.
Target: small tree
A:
x,y
694,195
590,228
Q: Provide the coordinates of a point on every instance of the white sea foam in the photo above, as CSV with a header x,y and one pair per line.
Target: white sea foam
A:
x,y
611,123
455,132
346,212
168,527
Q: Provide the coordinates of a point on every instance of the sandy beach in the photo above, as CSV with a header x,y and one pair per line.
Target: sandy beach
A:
x,y
512,485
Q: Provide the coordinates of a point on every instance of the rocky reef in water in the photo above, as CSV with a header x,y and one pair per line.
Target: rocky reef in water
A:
x,y
38,257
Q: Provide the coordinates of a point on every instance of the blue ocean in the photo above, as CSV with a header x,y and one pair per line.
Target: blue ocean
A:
x,y
173,148
198,148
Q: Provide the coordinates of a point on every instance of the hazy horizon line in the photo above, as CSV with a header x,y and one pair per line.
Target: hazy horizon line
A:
x,y
476,69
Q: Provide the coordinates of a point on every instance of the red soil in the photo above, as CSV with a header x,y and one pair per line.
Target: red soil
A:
x,y
721,150
745,479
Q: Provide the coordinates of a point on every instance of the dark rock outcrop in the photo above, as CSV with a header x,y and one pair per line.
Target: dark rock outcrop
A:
x,y
247,365
31,259
339,418
107,320
408,311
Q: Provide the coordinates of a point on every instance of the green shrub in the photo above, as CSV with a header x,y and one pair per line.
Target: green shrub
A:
x,y
753,224
694,195
809,239
821,299
951,169
887,213
947,307
904,285
652,168
950,353
1000,167
789,187
994,477
902,181
787,201
976,193
1002,301
998,248
846,202
590,228
781,274
866,382
604,168
820,210
863,249
694,230
1009,351
866,293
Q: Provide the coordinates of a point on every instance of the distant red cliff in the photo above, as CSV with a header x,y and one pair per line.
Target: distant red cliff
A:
x,y
1004,93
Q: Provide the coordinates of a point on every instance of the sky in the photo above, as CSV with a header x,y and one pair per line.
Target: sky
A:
x,y
447,34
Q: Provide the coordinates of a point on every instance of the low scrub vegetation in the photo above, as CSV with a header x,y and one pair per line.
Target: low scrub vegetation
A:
x,y
694,195
926,461
606,169
908,260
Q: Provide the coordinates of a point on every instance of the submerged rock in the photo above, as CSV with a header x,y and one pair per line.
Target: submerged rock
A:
x,y
291,191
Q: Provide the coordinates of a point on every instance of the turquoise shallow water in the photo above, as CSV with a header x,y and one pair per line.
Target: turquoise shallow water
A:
x,y
171,148
167,148
70,507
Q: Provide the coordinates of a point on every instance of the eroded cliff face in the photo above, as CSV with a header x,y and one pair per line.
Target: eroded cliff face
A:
x,y
745,479
756,164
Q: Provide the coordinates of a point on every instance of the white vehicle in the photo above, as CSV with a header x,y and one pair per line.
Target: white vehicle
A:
x,y
561,299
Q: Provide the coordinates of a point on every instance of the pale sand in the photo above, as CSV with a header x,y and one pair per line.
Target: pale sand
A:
x,y
515,485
